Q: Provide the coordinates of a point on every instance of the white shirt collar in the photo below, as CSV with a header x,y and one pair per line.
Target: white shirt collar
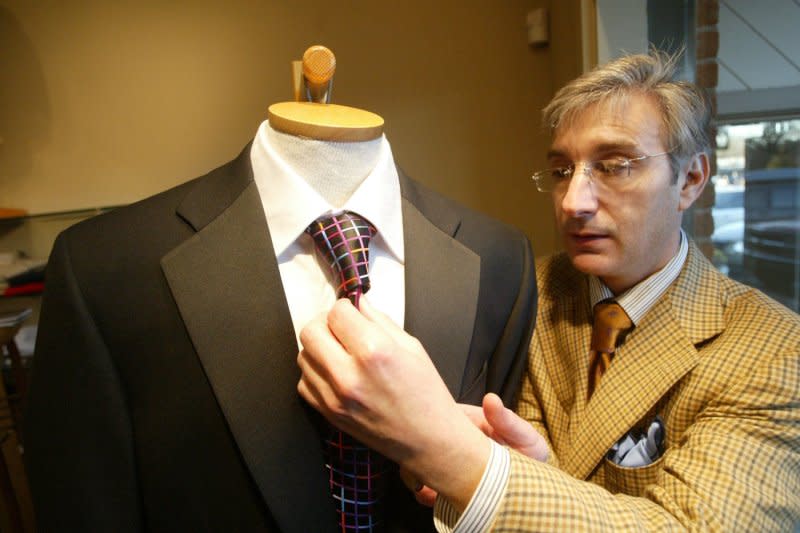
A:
x,y
290,204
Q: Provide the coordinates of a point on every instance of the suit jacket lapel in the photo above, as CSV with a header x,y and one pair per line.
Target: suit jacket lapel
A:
x,y
227,286
442,284
226,283
658,353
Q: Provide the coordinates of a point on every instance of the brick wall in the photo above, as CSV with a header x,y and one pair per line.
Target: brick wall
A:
x,y
706,76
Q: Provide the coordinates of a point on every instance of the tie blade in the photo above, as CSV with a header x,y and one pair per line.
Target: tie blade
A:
x,y
611,323
357,477
357,474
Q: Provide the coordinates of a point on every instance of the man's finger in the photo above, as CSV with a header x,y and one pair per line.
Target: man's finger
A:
x,y
357,334
324,367
312,386
307,388
426,496
514,430
475,414
386,324
422,493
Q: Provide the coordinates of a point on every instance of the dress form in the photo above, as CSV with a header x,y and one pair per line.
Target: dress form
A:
x,y
333,169
332,147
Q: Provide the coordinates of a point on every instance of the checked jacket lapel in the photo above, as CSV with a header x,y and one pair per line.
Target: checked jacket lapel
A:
x,y
655,356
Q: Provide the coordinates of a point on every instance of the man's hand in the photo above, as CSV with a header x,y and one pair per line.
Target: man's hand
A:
x,y
503,426
371,379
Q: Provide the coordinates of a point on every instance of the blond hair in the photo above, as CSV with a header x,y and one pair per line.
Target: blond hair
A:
x,y
685,108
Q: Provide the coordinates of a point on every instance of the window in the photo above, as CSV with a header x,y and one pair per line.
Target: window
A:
x,y
754,73
757,209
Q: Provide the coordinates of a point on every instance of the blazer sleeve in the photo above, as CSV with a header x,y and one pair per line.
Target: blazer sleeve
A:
x,y
736,469
78,438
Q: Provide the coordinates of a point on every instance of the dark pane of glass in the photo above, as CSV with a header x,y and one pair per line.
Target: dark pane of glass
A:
x,y
757,209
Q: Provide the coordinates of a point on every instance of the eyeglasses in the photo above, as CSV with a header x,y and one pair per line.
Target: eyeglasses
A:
x,y
611,174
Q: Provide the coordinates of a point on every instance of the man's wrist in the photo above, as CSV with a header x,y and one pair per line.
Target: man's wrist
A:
x,y
451,460
482,506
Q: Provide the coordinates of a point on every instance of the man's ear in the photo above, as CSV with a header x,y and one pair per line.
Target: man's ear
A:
x,y
696,175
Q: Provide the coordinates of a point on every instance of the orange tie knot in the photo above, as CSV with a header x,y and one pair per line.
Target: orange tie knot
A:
x,y
610,322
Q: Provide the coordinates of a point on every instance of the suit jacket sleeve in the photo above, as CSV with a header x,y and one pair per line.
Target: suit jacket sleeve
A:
x,y
78,436
736,469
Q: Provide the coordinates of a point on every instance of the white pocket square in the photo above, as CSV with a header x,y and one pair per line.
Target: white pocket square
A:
x,y
637,448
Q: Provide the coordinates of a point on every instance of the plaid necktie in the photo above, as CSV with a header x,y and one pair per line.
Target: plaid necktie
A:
x,y
610,324
356,473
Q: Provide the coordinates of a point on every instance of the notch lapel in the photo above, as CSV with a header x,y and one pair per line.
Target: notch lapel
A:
x,y
227,286
643,370
442,284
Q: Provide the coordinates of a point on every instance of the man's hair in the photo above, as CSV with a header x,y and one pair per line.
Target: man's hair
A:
x,y
685,108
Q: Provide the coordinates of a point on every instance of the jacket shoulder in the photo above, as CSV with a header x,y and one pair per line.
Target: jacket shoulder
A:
x,y
203,197
556,278
478,231
754,315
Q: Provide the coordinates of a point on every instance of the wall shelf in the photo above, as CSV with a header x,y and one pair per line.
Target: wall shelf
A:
x,y
11,216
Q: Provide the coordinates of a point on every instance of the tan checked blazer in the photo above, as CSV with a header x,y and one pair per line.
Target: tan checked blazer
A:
x,y
719,361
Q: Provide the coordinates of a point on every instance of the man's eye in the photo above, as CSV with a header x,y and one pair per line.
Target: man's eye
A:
x,y
610,167
561,173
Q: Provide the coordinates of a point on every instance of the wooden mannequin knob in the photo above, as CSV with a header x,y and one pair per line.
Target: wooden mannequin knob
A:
x,y
319,64
321,121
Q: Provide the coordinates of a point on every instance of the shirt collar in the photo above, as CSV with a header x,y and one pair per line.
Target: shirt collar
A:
x,y
640,298
290,204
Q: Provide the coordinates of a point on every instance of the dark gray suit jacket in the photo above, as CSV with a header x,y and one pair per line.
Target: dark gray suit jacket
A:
x,y
164,394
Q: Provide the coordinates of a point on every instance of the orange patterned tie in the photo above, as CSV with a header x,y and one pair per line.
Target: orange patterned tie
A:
x,y
610,323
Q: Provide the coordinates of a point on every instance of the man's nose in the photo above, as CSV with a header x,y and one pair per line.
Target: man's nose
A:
x,y
579,199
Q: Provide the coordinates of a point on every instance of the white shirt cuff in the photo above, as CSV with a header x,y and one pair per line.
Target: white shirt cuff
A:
x,y
483,505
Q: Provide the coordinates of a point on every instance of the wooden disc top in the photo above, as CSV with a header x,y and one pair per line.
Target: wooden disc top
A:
x,y
326,122
321,121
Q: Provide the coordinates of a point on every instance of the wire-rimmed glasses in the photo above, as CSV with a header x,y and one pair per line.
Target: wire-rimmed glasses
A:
x,y
612,173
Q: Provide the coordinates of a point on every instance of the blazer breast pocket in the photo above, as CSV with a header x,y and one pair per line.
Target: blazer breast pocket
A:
x,y
630,480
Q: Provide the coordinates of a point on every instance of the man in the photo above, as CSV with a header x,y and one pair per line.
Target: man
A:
x,y
164,388
695,423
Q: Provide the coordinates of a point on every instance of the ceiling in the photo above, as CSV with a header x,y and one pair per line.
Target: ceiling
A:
x,y
759,45
758,56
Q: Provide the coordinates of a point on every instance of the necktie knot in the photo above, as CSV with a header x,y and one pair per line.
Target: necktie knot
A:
x,y
343,240
610,323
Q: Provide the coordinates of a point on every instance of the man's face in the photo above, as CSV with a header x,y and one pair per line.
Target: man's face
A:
x,y
624,235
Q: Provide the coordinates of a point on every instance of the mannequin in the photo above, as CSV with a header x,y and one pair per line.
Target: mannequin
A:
x,y
332,147
164,390
333,169
313,158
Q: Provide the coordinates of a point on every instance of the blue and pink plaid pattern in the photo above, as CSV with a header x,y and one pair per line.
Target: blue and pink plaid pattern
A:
x,y
356,473
357,477
344,242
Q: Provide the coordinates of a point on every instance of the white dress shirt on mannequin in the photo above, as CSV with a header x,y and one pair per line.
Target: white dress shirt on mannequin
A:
x,y
301,179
